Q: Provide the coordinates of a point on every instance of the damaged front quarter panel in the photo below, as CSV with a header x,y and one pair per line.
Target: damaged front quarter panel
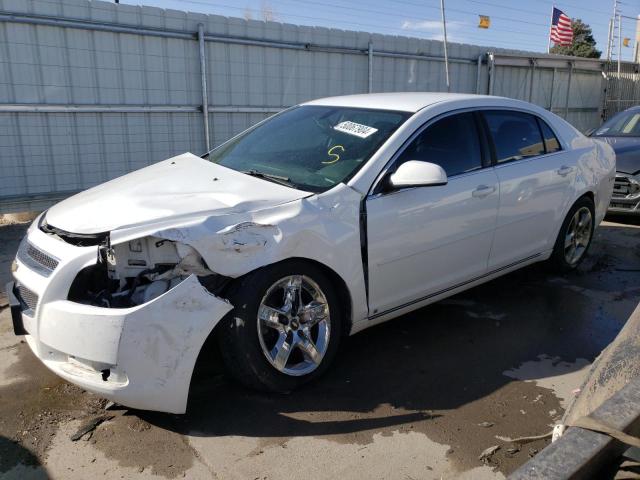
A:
x,y
162,286
230,250
324,228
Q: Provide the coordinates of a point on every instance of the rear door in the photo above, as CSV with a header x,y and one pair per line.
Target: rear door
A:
x,y
424,240
535,176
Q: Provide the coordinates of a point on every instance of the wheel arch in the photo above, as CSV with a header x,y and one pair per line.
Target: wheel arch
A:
x,y
342,289
586,193
212,357
589,194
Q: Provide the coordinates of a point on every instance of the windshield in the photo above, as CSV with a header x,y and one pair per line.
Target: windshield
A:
x,y
311,148
624,124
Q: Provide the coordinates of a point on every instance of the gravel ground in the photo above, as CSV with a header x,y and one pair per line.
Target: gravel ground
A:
x,y
420,397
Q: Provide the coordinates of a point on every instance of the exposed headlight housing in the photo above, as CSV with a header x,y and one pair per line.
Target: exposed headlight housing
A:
x,y
136,272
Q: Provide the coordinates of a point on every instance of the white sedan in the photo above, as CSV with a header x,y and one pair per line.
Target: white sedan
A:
x,y
317,223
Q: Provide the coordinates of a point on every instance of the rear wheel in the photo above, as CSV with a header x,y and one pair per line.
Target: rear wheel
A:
x,y
575,236
284,329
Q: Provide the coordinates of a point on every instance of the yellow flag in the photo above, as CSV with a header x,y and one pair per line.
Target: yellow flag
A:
x,y
625,41
485,21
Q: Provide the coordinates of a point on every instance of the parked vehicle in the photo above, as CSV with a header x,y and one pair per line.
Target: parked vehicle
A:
x,y
328,218
622,132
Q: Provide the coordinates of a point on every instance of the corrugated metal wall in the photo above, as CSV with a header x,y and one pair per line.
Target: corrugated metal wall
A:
x,y
80,105
579,102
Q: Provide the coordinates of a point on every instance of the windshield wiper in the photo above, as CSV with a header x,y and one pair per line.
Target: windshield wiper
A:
x,y
268,176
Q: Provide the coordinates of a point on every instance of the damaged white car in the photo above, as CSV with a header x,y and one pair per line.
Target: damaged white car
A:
x,y
321,221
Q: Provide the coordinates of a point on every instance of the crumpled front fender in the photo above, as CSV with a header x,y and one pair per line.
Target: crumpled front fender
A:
x,y
160,344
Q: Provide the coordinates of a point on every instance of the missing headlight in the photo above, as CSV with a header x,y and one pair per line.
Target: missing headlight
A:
x,y
136,272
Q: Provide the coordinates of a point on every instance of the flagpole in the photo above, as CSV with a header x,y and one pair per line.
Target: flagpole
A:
x,y
550,25
446,57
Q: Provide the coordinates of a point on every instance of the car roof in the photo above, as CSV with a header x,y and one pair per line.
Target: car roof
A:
x,y
401,101
635,108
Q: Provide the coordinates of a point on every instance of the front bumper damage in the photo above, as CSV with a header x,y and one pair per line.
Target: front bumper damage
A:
x,y
126,341
142,356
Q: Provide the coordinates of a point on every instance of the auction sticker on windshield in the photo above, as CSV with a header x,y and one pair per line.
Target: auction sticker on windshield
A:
x,y
357,129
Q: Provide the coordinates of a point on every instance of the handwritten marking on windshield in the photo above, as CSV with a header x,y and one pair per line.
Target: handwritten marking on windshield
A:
x,y
335,156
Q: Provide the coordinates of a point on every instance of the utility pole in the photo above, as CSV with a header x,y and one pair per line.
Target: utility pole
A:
x,y
609,39
612,30
637,39
446,57
619,44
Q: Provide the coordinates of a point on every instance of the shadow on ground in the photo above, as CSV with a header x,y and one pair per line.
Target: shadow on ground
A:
x,y
18,463
428,370
437,371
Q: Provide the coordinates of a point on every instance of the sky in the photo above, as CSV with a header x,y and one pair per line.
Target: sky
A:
x,y
516,24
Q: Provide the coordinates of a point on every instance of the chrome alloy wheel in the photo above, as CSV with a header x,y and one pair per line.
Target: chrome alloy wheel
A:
x,y
578,234
294,325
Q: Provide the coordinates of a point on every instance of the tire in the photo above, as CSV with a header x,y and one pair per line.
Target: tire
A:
x,y
575,236
249,345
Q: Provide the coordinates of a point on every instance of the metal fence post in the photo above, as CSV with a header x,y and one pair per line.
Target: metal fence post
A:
x,y
491,66
553,85
533,71
370,58
479,73
566,101
205,96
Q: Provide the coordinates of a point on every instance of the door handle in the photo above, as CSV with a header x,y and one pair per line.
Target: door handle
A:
x,y
482,191
563,171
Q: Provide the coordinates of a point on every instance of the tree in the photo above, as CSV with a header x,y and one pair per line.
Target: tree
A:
x,y
583,45
268,13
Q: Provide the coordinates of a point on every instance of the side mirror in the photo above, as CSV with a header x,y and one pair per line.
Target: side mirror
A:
x,y
415,173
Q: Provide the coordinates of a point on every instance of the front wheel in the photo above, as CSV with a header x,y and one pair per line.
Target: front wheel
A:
x,y
284,329
575,236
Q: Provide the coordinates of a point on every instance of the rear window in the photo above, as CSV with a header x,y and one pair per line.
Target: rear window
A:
x,y
516,135
550,140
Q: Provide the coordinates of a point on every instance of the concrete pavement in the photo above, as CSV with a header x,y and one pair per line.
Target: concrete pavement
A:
x,y
419,397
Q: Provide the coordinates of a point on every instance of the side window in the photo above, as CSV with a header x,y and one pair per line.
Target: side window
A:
x,y
515,135
550,140
452,143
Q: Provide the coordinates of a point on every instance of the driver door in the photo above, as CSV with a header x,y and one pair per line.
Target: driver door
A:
x,y
423,241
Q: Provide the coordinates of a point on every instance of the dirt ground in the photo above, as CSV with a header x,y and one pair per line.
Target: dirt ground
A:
x,y
420,397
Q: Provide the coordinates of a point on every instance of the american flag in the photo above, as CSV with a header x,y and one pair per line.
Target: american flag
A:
x,y
561,32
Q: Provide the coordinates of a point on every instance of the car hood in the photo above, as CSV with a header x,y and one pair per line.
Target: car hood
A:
x,y
178,187
627,152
